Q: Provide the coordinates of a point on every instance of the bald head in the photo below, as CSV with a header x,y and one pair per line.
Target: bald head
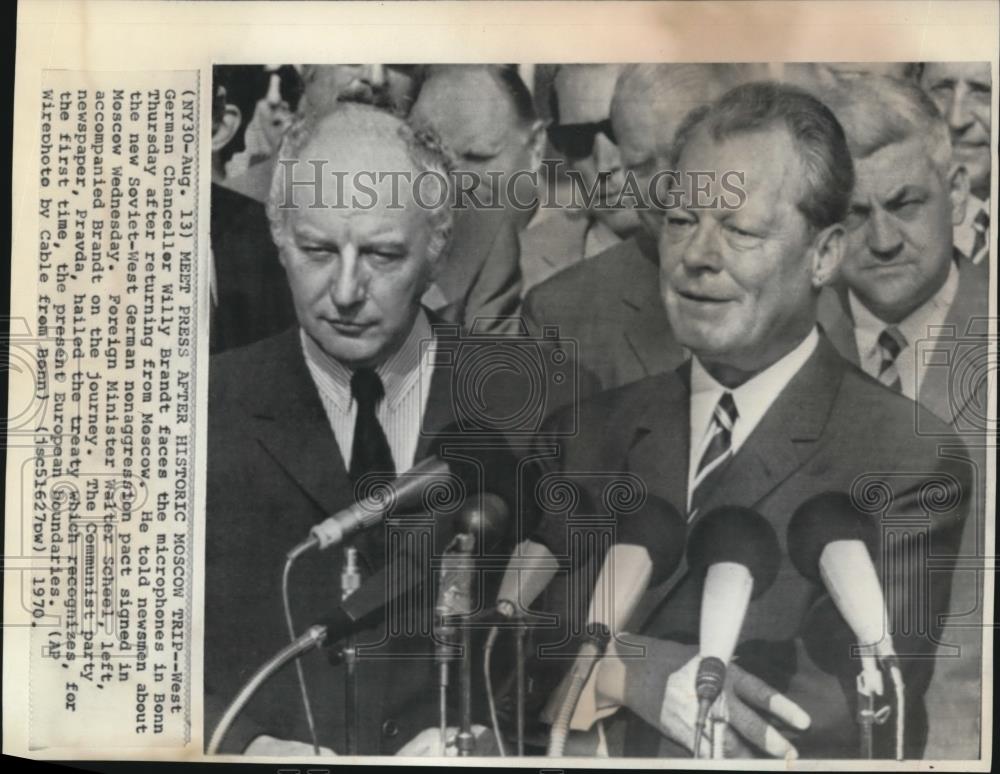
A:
x,y
485,116
650,103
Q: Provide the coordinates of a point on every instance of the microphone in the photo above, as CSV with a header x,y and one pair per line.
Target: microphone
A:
x,y
831,542
648,549
737,549
406,492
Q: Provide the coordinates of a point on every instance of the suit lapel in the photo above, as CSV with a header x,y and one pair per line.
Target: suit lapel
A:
x,y
834,317
647,330
785,437
957,338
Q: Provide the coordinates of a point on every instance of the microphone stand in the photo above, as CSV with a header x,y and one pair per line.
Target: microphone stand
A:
x,y
519,634
455,599
350,581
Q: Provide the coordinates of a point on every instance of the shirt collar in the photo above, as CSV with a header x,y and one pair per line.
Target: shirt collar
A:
x,y
398,373
754,397
965,233
920,322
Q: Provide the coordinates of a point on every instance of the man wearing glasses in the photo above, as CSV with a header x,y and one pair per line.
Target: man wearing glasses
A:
x,y
580,130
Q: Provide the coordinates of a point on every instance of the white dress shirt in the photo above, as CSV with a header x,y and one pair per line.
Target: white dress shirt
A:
x,y
406,377
752,398
922,324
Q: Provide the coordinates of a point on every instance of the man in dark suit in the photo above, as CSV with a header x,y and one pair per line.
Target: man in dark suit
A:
x,y
610,304
296,424
913,313
766,415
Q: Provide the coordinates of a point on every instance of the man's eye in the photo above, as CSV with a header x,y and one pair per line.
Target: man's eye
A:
x,y
478,158
675,221
318,251
741,236
908,207
386,255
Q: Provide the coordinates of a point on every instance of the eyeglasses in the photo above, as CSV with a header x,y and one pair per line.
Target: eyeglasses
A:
x,y
576,141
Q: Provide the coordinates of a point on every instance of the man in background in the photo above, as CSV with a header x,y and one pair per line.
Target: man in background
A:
x,y
962,92
580,129
610,304
912,313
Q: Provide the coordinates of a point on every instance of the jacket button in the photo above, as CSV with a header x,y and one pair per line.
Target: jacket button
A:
x,y
390,728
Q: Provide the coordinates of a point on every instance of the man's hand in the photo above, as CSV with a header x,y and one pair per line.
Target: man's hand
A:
x,y
283,748
673,709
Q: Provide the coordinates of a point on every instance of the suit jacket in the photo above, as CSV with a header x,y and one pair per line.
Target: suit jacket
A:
x,y
254,300
831,429
479,286
275,470
555,243
609,314
954,692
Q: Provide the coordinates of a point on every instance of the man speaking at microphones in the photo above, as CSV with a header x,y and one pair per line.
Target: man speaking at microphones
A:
x,y
299,422
763,416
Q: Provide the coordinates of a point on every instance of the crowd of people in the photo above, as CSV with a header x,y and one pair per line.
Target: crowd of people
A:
x,y
743,285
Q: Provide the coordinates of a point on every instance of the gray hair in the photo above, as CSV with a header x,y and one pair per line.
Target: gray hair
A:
x,y
421,146
816,135
877,111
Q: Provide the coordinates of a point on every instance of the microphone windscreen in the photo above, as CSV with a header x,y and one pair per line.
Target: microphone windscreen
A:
x,y
735,534
486,517
660,529
409,487
553,528
821,520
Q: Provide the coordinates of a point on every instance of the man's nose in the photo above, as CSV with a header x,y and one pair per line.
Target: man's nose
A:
x,y
884,239
958,114
373,74
607,157
349,282
702,251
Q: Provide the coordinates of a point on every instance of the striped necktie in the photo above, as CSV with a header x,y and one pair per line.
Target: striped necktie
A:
x,y
718,450
981,225
890,343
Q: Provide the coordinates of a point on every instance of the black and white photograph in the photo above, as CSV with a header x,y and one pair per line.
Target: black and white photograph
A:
x,y
598,410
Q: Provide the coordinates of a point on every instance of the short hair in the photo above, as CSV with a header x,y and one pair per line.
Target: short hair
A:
x,y
656,85
816,134
421,146
507,78
877,111
242,86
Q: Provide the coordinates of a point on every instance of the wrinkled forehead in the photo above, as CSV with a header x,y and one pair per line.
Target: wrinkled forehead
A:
x,y
969,72
891,169
764,162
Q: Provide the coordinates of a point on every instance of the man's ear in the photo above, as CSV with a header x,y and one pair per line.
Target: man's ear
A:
x,y
958,191
536,145
827,254
227,128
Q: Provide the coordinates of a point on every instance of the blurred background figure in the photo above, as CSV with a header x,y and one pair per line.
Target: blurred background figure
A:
x,y
386,86
271,117
580,131
961,91
250,298
610,305
485,116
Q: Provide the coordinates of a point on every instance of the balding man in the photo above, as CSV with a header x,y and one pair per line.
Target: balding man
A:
x,y
580,129
610,304
299,421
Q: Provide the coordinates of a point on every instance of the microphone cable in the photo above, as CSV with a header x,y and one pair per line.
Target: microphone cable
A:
x,y
491,700
896,675
593,647
312,638
299,672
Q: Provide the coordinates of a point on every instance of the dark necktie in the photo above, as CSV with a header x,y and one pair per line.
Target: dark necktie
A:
x,y
717,452
370,452
890,343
